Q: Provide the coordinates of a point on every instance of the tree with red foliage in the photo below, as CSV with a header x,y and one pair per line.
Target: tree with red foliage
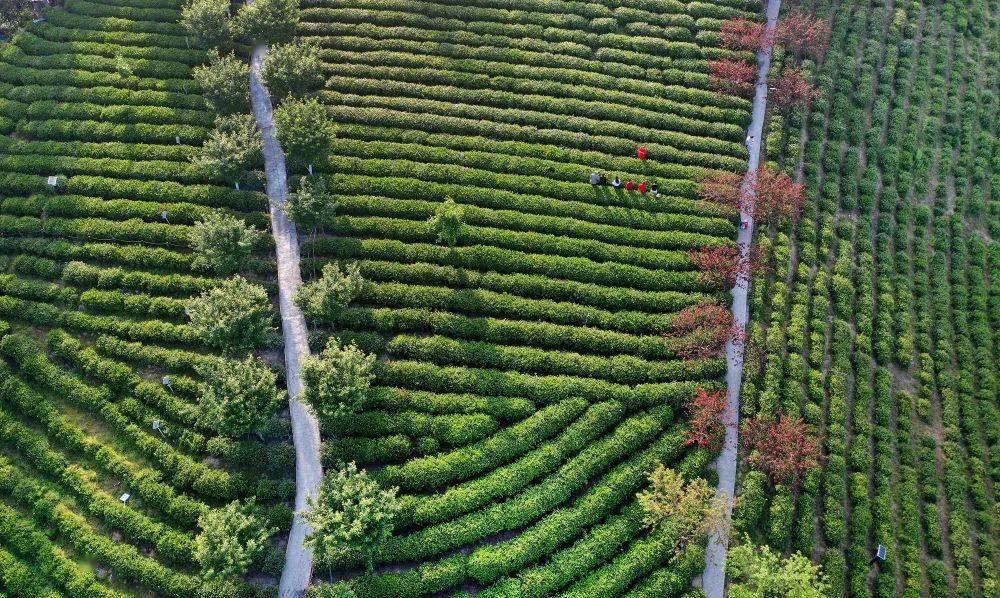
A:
x,y
804,34
791,88
721,187
707,427
701,330
785,448
734,77
725,265
745,34
775,195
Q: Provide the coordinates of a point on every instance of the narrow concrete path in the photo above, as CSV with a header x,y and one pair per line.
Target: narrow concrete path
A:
x,y
305,429
714,577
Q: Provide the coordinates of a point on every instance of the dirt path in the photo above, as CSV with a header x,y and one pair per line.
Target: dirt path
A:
x,y
305,429
714,576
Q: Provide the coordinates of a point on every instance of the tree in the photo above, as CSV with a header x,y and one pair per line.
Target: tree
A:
x,y
337,380
447,222
267,21
804,34
685,510
207,22
325,297
292,69
222,243
304,130
770,194
312,205
232,149
706,427
745,34
13,15
733,77
701,331
230,540
331,590
237,397
775,195
757,572
785,448
225,84
234,316
721,187
725,265
351,515
791,88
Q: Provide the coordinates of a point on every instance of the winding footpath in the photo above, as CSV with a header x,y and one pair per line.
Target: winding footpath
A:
x,y
305,429
714,577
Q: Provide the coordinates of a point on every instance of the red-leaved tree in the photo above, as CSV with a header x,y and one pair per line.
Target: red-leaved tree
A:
x,y
804,34
734,77
707,427
745,34
701,331
775,196
721,187
784,448
791,87
724,265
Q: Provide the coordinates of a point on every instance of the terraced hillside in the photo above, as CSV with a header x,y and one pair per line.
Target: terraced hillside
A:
x,y
525,386
881,324
94,276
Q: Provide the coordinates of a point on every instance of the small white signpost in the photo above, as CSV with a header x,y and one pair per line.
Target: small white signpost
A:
x,y
124,498
52,181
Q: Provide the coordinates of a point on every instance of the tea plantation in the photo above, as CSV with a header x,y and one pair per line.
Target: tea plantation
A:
x,y
880,324
517,226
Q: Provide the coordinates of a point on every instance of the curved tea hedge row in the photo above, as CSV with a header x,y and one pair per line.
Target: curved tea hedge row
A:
x,y
526,384
94,277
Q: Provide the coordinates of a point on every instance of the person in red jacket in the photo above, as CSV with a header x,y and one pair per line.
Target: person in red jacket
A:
x,y
641,153
630,185
643,187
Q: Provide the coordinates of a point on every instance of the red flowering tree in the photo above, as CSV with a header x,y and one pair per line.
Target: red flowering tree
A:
x,y
785,448
791,87
701,331
804,34
775,196
721,187
745,34
724,265
734,77
707,427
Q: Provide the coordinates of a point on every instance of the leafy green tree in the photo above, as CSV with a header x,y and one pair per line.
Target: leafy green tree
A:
x,y
757,572
687,509
234,317
331,590
230,540
292,69
304,130
225,84
337,380
447,222
312,205
222,243
207,22
232,149
237,397
267,21
351,515
325,297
